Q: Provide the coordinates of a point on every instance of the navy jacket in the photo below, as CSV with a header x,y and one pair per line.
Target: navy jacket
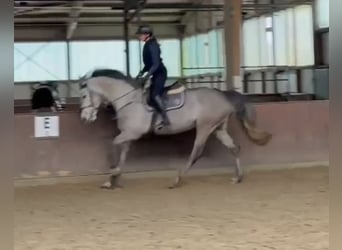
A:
x,y
151,57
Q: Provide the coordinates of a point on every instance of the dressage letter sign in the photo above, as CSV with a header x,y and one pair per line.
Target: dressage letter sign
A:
x,y
46,126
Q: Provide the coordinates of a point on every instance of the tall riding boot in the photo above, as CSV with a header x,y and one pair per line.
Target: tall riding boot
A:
x,y
162,110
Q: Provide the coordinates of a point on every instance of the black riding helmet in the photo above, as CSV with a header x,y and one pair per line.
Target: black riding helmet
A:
x,y
144,30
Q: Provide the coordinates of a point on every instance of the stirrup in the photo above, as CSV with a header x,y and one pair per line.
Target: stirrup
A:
x,y
162,124
166,122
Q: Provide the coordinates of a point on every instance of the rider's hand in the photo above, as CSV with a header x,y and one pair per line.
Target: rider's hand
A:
x,y
142,81
140,75
145,77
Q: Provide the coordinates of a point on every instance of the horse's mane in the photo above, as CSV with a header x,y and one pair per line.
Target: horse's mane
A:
x,y
112,73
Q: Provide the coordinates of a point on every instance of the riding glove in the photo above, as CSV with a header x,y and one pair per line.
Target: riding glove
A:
x,y
143,79
140,74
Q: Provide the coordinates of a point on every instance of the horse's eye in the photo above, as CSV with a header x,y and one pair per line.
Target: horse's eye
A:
x,y
84,97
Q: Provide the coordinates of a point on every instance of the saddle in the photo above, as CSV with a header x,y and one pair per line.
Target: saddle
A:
x,y
174,97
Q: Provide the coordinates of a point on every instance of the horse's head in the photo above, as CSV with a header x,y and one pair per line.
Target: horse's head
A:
x,y
89,105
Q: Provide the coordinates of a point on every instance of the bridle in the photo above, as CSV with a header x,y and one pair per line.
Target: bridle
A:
x,y
91,105
84,85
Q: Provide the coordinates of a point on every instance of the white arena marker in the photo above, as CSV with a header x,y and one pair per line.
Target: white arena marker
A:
x,y
46,126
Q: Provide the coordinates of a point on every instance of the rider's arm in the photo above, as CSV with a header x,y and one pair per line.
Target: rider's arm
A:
x,y
155,55
145,69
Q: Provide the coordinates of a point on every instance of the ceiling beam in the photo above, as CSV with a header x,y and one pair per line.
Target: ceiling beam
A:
x,y
60,16
74,15
189,14
140,6
29,23
22,10
180,6
186,17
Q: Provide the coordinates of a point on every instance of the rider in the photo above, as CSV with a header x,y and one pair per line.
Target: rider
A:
x,y
155,68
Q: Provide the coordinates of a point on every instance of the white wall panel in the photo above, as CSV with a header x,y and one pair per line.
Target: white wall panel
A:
x,y
304,35
322,13
251,42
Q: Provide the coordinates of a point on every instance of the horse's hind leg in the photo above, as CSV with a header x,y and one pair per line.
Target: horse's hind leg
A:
x,y
202,135
223,136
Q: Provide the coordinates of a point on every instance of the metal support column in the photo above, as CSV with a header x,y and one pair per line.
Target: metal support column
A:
x,y
232,41
69,69
138,5
126,36
68,60
181,36
181,41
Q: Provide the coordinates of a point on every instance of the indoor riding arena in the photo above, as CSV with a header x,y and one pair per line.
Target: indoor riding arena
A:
x,y
273,52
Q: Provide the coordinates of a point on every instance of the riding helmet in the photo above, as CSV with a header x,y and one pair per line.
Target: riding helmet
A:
x,y
144,30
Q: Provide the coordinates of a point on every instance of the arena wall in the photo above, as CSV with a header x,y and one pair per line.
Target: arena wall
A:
x,y
300,134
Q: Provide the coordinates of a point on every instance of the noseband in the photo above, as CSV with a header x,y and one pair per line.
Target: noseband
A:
x,y
91,105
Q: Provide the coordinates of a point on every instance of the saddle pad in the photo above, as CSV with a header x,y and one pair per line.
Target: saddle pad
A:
x,y
176,90
172,101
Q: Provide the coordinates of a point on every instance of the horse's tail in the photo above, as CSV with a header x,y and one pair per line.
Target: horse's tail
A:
x,y
245,114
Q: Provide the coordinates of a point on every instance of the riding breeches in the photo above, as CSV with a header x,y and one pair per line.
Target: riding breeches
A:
x,y
157,87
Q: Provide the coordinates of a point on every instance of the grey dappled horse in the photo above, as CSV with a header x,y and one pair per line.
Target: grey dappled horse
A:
x,y
207,110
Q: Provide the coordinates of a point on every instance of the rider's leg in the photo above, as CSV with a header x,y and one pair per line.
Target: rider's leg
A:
x,y
162,109
157,91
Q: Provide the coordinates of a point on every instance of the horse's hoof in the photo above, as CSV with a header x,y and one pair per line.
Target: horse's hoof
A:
x,y
176,184
236,180
107,185
173,186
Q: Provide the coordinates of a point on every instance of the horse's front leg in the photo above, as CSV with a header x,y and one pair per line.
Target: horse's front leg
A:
x,y
123,143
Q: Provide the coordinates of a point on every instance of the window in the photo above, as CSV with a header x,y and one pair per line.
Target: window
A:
x,y
89,55
48,61
269,40
266,40
251,42
293,36
203,53
186,55
221,48
322,13
214,56
290,41
284,38
40,61
304,35
268,23
135,57
170,52
193,57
